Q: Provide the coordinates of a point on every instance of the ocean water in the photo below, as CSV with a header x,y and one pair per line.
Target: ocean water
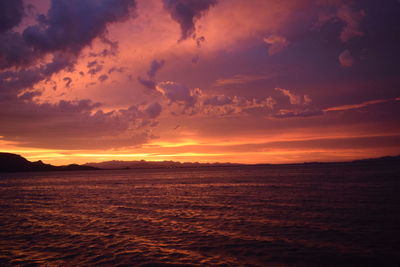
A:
x,y
312,215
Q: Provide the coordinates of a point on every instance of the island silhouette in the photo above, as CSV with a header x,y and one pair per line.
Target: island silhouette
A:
x,y
15,163
10,162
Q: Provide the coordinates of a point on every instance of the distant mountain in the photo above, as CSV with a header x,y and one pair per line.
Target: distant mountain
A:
x,y
15,163
387,159
142,164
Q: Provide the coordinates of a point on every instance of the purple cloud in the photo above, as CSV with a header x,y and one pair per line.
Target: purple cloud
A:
x,y
11,13
346,59
70,25
186,12
155,67
153,110
150,83
68,81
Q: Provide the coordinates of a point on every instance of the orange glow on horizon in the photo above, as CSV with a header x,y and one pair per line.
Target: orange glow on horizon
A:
x,y
212,151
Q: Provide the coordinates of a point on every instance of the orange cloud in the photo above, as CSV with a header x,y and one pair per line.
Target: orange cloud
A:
x,y
357,106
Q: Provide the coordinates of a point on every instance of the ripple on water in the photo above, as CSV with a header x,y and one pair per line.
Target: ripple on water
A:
x,y
201,217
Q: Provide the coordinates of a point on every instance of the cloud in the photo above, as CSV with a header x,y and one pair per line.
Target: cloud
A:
x,y
155,67
153,110
222,105
12,82
184,100
68,81
70,25
242,79
150,83
14,52
344,13
346,59
178,93
186,12
360,105
275,44
293,98
103,78
81,124
218,100
283,113
352,19
116,69
94,67
29,95
307,99
11,13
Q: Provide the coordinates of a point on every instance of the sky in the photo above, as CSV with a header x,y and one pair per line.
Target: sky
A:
x,y
255,81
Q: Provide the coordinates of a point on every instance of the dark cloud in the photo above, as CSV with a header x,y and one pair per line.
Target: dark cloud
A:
x,y
11,13
186,12
153,110
178,93
68,81
94,67
103,78
12,82
150,83
200,40
116,69
155,67
14,51
70,25
81,123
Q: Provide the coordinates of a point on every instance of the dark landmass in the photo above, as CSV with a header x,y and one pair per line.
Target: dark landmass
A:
x,y
387,160
142,164
15,163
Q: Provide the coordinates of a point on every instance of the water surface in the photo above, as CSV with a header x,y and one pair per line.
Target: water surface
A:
x,y
305,215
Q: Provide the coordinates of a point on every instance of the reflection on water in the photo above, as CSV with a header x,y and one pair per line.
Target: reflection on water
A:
x,y
240,216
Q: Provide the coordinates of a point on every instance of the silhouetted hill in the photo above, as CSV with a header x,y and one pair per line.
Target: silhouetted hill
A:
x,y
15,163
387,159
142,164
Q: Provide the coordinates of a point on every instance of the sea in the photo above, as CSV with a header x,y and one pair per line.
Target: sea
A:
x,y
278,215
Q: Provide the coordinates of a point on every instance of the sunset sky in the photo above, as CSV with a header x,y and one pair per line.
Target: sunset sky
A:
x,y
247,81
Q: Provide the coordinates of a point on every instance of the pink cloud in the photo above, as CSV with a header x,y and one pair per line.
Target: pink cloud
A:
x,y
242,79
275,44
346,59
293,98
352,19
357,106
345,14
